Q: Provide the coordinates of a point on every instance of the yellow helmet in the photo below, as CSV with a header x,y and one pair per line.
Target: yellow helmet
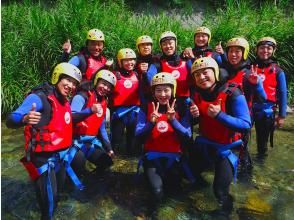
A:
x,y
167,35
164,78
203,30
125,53
267,40
204,63
106,75
239,42
95,34
143,39
66,69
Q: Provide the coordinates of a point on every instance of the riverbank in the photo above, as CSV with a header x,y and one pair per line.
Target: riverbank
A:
x,y
268,194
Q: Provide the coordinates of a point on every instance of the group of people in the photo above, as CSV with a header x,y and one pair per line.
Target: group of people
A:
x,y
154,101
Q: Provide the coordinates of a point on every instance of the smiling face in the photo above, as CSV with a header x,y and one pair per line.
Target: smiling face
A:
x,y
201,40
145,49
95,47
128,64
264,52
163,93
204,78
66,86
103,88
168,47
235,55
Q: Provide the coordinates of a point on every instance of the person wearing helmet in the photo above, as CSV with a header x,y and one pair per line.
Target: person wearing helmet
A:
x,y
162,130
222,113
145,64
125,101
172,63
241,72
274,83
202,37
45,113
90,58
89,123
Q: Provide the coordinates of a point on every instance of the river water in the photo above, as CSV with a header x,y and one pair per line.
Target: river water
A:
x,y
120,194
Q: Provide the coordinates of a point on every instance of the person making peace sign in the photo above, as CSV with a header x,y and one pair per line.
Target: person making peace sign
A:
x,y
162,131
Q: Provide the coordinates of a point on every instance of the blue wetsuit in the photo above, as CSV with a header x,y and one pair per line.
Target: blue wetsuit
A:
x,y
264,112
155,169
56,177
237,118
95,154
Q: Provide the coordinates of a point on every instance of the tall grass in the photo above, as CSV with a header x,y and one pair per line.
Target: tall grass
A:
x,y
33,32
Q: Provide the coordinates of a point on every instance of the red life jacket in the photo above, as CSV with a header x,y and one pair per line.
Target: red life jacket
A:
x,y
211,128
90,64
91,124
268,76
126,91
163,137
54,136
181,74
238,78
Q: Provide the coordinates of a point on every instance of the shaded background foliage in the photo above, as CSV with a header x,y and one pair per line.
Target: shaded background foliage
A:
x,y
33,32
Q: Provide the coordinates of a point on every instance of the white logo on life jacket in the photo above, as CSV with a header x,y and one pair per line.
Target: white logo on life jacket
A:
x,y
162,126
67,117
99,111
176,74
262,77
128,84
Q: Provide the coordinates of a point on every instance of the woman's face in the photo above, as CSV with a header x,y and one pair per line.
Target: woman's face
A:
x,y
205,78
66,86
128,64
168,47
201,40
235,55
103,88
264,52
163,94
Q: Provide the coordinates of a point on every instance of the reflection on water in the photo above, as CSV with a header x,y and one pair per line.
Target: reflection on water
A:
x,y
267,194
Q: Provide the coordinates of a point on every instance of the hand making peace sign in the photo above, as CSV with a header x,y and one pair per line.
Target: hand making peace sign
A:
x,y
171,113
155,115
253,76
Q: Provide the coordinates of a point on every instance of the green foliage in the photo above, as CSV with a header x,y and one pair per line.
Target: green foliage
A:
x,y
33,33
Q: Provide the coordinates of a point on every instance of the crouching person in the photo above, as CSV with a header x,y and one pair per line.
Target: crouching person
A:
x,y
222,112
46,115
162,130
89,118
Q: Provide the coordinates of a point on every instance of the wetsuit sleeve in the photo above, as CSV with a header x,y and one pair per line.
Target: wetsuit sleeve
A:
x,y
144,126
104,136
75,61
150,73
183,127
78,113
217,57
189,65
239,120
14,120
282,94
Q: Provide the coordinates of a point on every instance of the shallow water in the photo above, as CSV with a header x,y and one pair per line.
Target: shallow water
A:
x,y
268,194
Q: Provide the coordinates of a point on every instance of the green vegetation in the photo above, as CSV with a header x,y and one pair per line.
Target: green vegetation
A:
x,y
33,32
